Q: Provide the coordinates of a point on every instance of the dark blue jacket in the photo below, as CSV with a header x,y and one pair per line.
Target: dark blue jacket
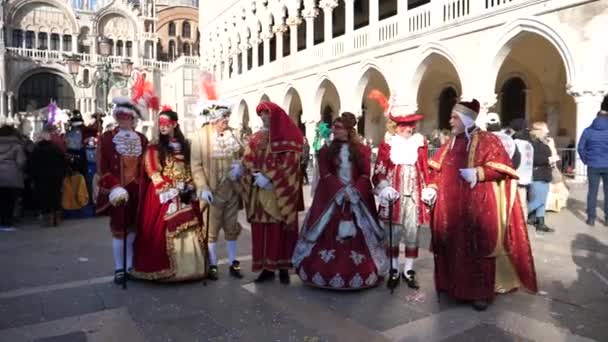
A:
x,y
593,144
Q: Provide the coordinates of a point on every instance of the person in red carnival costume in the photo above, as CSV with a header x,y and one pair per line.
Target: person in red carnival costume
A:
x,y
479,234
400,174
168,245
341,245
272,188
120,166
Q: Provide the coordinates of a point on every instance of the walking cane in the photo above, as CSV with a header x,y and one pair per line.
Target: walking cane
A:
x,y
124,258
391,284
206,242
434,247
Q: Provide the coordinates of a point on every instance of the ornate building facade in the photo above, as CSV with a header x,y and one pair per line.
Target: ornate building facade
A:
x,y
41,37
542,60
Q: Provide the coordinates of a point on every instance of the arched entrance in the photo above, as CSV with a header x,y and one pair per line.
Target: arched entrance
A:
x,y
513,100
264,98
439,88
372,124
329,105
293,105
533,78
38,90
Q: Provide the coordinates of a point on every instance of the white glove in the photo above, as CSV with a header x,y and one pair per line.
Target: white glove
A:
x,y
389,194
118,195
206,196
428,195
353,195
262,181
469,175
168,195
236,171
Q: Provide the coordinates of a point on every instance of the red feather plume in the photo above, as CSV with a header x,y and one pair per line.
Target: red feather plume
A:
x,y
379,97
166,108
206,88
143,89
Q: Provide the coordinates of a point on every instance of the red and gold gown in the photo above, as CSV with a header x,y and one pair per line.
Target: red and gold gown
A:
x,y
168,246
479,235
341,245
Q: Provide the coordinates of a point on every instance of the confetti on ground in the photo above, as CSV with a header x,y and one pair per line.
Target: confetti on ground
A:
x,y
416,297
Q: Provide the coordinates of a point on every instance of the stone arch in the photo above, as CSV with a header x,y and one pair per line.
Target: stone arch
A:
x,y
425,59
14,10
292,104
327,100
243,114
372,123
436,71
514,30
103,17
64,79
264,97
547,75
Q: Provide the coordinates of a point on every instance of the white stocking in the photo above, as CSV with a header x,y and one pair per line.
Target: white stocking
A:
x,y
212,253
117,252
130,240
231,245
409,264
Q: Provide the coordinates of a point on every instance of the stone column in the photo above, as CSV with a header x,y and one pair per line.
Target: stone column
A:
x,y
293,23
402,8
36,39
226,70
588,102
75,44
374,11
279,30
60,43
255,59
349,11
10,95
2,104
309,16
266,37
244,54
328,7
235,63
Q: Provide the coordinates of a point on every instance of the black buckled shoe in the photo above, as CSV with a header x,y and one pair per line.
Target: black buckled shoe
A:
x,y
264,276
410,279
235,269
393,279
119,276
284,277
213,273
541,227
531,219
480,305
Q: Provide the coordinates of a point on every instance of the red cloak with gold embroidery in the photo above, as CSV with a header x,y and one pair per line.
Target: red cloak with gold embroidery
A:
x,y
273,213
479,236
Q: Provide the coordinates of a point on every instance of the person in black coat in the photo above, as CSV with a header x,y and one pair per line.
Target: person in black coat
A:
x,y
48,169
541,177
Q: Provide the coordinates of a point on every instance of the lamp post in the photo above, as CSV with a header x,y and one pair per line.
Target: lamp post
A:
x,y
105,74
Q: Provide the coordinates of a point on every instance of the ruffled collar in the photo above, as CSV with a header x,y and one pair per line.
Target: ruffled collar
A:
x,y
404,151
127,143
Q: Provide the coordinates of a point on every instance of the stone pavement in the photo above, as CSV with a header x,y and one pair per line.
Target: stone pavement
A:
x,y
57,286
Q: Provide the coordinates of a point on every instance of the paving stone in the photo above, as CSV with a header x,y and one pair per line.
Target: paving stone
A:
x,y
79,336
485,333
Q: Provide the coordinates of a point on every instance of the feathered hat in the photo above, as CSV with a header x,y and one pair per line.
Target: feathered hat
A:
x,y
142,98
394,112
209,108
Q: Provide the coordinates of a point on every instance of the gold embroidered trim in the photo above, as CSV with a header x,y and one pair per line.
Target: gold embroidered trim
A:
x,y
473,149
481,175
502,168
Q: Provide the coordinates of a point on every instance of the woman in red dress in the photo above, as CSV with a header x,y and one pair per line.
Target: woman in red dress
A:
x,y
168,245
341,245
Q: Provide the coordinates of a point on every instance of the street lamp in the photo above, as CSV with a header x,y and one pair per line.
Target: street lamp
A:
x,y
105,74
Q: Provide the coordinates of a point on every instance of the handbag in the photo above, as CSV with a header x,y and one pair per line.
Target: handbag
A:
x,y
75,195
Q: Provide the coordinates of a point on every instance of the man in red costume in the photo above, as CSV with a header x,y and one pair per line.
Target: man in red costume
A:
x,y
272,186
479,235
400,174
120,166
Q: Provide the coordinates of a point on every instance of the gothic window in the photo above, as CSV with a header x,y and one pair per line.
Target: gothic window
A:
x,y
43,43
171,51
186,29
186,49
129,47
513,100
54,42
172,29
29,39
17,38
67,42
119,48
85,75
